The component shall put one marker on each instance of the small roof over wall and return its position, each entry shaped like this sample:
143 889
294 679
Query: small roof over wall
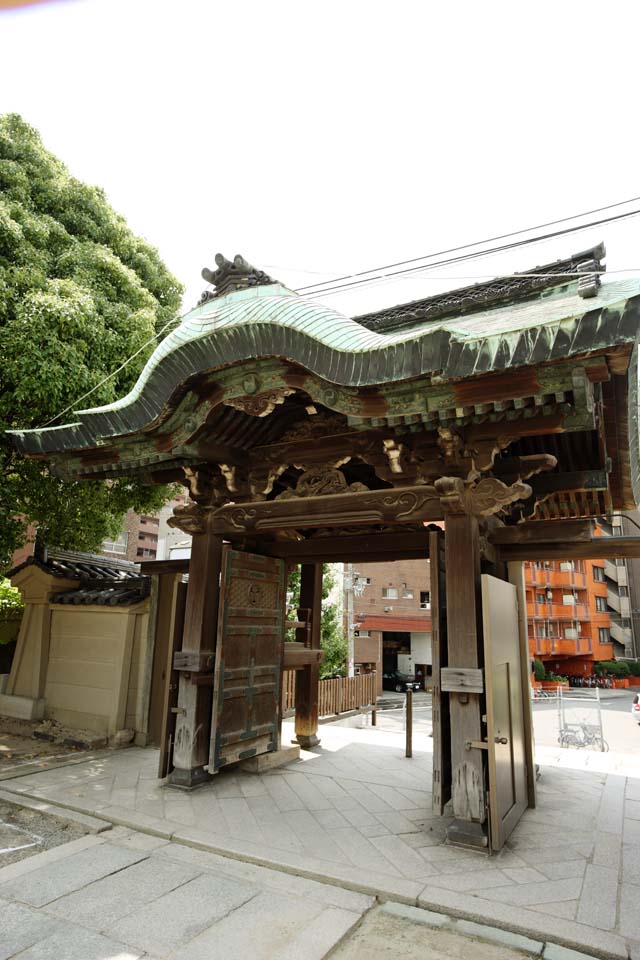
103 581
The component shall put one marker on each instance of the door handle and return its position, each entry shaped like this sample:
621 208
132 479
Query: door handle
500 740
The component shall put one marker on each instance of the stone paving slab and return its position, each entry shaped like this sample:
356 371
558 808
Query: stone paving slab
21 928
51 882
172 903
355 813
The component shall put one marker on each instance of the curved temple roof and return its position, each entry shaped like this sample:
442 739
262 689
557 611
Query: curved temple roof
269 320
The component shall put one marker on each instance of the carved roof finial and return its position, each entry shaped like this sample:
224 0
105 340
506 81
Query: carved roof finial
236 274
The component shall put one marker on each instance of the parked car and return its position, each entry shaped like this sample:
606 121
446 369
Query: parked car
395 680
635 707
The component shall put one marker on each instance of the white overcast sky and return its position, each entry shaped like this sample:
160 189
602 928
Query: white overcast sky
335 136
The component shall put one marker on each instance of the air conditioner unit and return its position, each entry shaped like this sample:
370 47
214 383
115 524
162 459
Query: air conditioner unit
549 594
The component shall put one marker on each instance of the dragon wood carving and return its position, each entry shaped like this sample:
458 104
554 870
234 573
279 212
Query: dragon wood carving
481 499
321 481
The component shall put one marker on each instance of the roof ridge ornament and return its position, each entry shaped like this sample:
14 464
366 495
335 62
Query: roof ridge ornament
236 274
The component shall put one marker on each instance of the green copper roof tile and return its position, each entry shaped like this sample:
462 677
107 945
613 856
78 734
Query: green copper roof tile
269 320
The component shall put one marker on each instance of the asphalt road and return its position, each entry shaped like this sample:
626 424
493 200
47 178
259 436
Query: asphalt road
620 730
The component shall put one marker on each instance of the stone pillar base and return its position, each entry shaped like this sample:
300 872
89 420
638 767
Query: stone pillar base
467 833
188 779
307 742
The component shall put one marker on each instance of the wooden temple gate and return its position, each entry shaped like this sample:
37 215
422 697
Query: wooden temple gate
508 411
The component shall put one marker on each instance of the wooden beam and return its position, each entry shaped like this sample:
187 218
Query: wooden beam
461 680
464 629
399 505
564 482
154 567
307 691
191 749
543 531
598 548
350 549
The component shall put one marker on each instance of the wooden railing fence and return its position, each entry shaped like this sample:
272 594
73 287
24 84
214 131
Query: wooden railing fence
340 695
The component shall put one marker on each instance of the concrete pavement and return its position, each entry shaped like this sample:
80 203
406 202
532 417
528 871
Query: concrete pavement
355 813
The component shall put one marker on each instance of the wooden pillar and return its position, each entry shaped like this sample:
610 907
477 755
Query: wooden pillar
306 721
464 633
193 720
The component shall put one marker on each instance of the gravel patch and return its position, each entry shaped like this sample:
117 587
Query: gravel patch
24 832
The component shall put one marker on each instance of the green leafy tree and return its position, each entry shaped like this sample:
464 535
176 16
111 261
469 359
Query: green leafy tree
332 639
539 670
79 293
11 601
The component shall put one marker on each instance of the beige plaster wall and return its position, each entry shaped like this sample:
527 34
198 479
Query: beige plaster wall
91 653
137 695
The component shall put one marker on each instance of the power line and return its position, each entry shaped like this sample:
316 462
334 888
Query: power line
326 289
109 376
466 246
529 241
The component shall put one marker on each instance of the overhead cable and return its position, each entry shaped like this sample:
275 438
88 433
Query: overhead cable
352 281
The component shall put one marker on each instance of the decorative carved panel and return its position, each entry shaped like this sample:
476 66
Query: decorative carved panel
189 518
481 499
320 482
260 405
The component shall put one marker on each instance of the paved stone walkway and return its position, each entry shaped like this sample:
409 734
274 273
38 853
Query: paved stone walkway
357 813
123 895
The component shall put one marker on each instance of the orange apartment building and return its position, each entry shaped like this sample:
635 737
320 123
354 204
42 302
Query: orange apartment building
568 612
568 616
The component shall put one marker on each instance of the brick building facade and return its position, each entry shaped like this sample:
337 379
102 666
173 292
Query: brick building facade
392 619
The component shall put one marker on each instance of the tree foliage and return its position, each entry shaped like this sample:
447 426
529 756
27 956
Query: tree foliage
11 601
332 639
612 668
79 293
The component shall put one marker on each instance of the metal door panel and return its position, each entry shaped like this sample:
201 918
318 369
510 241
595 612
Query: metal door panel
505 708
248 667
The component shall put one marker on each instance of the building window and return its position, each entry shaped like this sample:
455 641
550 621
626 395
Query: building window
389 593
362 633
604 635
568 599
425 600
601 604
407 593
541 598
116 546
566 566
598 573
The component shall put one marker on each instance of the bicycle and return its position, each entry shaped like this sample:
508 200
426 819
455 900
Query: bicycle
582 735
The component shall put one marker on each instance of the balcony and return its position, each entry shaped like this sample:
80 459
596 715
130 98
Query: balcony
558 611
556 578
542 646
565 648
